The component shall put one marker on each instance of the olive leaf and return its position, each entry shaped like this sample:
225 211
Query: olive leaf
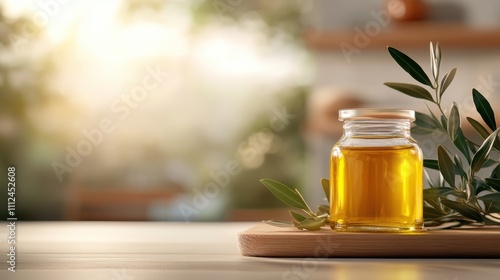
470 190
311 220
434 62
446 166
433 193
308 210
426 122
479 128
447 79
482 131
410 66
438 58
492 219
489 162
493 183
463 209
496 172
435 203
453 122
431 213
459 169
444 122
311 223
483 107
411 90
285 194
483 153
491 202
418 130
431 163
325 183
461 143
433 117
297 216
278 223
480 185
471 146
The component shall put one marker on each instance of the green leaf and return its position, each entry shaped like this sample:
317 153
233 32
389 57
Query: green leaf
436 204
492 219
434 118
470 189
459 169
433 193
446 81
423 120
453 122
285 194
278 223
311 223
479 128
303 200
411 90
298 217
480 185
434 63
471 146
461 143
438 56
446 166
496 145
463 209
417 130
431 163
483 107
496 172
482 131
325 183
489 162
444 122
483 153
493 183
431 213
491 202
410 66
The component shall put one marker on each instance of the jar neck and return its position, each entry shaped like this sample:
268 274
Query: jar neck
377 128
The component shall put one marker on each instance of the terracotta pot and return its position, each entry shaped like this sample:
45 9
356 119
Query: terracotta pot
406 10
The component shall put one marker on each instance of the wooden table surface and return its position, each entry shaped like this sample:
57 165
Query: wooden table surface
138 250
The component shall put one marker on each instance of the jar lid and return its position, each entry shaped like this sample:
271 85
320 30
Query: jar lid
371 113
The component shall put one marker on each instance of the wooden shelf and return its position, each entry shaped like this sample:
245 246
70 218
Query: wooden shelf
410 35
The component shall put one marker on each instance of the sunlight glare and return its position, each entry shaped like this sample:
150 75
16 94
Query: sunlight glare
228 55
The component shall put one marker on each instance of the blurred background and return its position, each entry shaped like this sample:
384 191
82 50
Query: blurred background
173 110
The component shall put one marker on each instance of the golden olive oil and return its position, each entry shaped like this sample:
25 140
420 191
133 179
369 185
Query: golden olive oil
376 188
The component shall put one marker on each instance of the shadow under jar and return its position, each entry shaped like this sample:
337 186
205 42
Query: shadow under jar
376 172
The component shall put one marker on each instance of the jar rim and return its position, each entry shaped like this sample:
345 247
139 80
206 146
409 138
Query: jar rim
375 113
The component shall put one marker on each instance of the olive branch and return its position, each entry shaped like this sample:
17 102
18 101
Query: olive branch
471 199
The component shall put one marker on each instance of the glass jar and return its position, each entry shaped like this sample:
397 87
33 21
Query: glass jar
376 173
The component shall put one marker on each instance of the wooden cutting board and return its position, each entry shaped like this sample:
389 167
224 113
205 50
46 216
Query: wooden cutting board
265 240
